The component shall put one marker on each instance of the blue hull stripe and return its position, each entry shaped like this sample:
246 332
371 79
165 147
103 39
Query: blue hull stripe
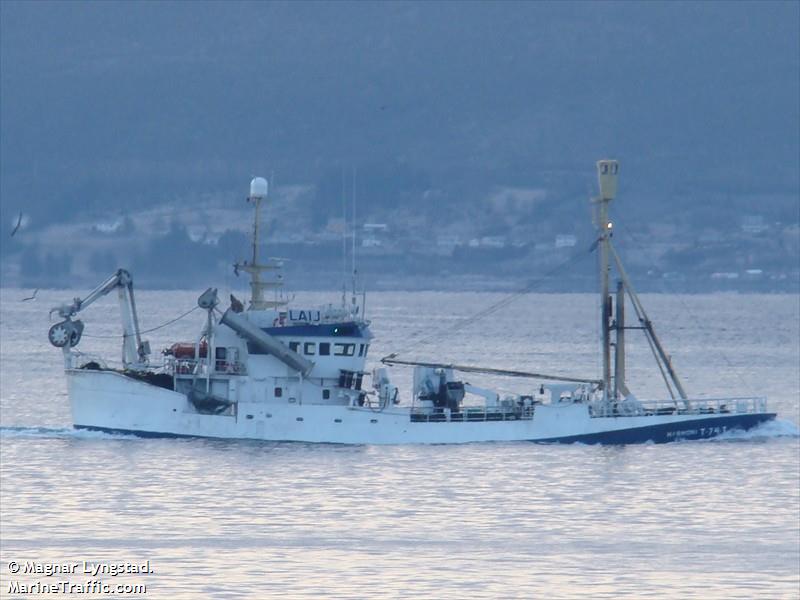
695 429
662 433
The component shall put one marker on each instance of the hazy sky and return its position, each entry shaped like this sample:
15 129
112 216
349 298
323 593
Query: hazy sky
109 101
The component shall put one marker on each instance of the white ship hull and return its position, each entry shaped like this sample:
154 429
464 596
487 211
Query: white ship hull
110 401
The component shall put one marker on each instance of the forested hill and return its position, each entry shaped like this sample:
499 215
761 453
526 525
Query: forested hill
114 107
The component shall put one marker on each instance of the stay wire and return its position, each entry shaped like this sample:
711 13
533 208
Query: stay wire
152 329
627 233
577 256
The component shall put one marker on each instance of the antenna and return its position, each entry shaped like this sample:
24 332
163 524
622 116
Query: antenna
353 257
278 275
344 241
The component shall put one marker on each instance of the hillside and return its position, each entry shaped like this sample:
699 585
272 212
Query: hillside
113 109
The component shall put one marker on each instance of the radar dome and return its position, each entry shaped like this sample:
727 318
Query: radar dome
258 188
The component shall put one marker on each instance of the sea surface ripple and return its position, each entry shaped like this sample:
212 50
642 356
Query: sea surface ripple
242 519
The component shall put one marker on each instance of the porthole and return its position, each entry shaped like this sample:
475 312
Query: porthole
299 418
373 420
249 416
337 420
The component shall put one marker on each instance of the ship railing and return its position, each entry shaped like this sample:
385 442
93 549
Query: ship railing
689 406
472 414
192 366
699 406
232 367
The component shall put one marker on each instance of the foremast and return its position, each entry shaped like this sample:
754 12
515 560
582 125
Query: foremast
258 285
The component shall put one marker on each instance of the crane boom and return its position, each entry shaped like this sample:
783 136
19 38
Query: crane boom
135 352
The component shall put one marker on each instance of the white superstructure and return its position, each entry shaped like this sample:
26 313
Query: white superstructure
272 371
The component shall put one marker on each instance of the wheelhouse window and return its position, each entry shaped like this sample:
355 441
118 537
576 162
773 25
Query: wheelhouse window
346 379
361 349
278 392
310 348
293 346
326 394
324 348
220 356
344 349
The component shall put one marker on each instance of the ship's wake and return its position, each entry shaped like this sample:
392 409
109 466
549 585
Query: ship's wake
59 433
777 428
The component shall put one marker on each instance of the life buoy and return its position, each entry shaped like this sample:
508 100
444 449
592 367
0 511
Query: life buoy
186 350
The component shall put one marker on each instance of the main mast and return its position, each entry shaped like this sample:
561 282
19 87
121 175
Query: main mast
258 192
607 176
607 171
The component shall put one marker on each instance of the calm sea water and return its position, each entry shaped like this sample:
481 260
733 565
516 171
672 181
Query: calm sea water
234 519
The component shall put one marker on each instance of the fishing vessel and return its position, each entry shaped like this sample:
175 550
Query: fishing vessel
275 371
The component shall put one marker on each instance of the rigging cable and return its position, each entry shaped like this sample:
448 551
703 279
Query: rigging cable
532 284
170 322
630 236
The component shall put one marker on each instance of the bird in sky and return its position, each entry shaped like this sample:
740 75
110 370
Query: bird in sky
32 296
17 226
